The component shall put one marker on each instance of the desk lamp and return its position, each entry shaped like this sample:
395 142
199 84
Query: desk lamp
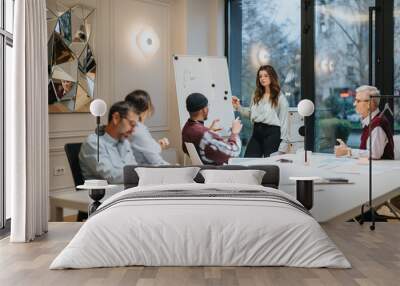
98 108
305 108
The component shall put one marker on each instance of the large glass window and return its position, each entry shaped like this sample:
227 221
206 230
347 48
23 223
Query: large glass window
264 32
341 65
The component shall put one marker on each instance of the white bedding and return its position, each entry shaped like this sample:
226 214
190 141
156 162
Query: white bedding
200 231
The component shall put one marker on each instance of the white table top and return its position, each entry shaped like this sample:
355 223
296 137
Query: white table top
82 196
304 178
334 200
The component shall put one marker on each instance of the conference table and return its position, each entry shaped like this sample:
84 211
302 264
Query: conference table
335 201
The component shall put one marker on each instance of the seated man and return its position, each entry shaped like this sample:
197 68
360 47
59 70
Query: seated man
209 145
382 137
114 149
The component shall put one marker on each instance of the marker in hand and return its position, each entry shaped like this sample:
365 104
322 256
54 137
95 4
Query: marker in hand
235 99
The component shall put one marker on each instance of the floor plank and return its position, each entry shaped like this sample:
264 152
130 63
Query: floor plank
375 257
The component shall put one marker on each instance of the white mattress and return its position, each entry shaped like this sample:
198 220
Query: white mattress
200 231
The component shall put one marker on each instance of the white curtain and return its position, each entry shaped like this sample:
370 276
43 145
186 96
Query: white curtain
27 161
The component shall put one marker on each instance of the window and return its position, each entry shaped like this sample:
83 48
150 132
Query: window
335 59
6 44
264 32
341 65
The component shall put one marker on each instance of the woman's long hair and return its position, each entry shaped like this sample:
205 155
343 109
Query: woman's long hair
274 86
141 100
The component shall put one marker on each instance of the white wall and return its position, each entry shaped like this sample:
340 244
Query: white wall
132 68
205 27
184 27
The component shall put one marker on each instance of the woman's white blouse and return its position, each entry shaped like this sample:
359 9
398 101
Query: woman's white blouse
145 148
263 112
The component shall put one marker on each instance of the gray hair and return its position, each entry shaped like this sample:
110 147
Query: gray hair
371 91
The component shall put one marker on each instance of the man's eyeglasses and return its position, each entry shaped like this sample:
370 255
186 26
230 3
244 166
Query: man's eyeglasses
131 122
360 100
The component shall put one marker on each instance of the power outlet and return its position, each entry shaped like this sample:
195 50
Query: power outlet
59 171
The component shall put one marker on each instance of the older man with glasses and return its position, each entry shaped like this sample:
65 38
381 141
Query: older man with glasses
381 134
114 148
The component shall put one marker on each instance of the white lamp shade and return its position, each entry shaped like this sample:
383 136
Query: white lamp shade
148 42
305 107
98 107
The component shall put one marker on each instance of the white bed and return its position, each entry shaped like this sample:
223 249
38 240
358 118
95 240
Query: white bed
264 229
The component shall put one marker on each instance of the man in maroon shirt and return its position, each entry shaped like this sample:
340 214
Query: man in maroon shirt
381 134
211 147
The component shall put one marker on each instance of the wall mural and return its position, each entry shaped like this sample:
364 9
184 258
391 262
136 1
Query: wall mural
72 67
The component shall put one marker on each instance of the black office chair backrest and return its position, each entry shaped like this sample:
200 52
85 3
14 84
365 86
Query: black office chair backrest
72 151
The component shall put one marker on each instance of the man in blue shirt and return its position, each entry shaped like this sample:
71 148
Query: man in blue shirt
114 149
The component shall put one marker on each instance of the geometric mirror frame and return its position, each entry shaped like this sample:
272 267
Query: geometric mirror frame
72 65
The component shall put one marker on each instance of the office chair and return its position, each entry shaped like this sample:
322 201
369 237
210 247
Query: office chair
72 151
193 155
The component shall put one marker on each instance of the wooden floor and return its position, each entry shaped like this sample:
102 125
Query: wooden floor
375 257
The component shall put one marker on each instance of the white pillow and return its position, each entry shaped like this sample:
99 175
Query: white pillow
166 176
248 177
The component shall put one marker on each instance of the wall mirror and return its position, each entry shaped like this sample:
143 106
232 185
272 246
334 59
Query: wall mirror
72 66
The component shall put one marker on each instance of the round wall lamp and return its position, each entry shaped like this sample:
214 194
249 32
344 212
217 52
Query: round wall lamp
263 56
327 65
148 42
260 55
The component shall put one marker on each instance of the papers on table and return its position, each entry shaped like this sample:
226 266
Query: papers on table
361 169
349 166
319 162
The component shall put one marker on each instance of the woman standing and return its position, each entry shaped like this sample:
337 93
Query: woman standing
269 111
145 148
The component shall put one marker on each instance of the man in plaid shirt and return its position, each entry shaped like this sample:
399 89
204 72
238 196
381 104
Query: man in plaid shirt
211 147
